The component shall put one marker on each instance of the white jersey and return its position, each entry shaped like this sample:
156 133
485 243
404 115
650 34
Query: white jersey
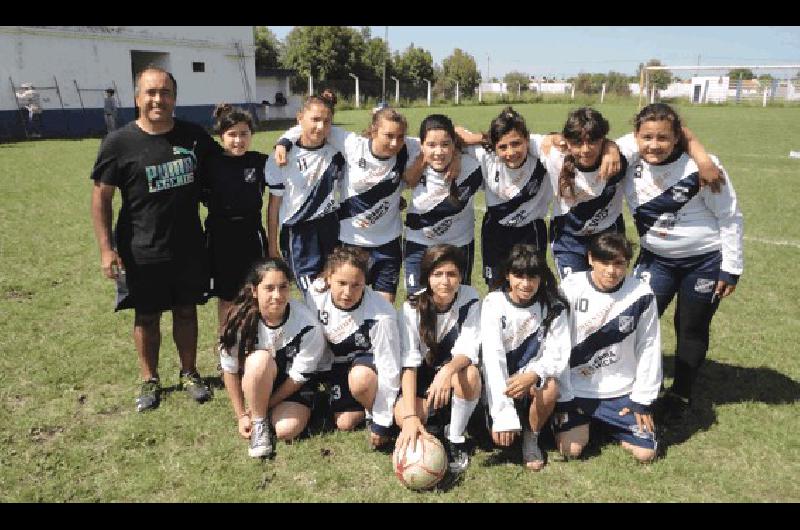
515 197
370 190
597 203
676 218
368 328
434 217
616 342
307 183
297 345
513 341
457 331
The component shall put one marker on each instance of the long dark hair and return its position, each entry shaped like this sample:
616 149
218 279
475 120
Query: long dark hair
440 122
388 114
525 260
662 112
422 301
241 322
582 123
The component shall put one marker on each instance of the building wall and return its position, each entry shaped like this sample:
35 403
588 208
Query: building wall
97 57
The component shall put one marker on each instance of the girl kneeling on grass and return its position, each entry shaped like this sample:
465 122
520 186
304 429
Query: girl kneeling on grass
441 342
270 347
525 342
363 344
614 371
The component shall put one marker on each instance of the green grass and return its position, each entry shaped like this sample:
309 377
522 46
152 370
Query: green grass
68 371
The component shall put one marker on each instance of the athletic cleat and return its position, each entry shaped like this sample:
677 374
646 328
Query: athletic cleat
149 395
532 454
262 443
672 408
457 456
194 385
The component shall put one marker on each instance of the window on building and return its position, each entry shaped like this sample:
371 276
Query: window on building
198 67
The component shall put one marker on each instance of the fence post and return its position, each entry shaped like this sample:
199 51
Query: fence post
310 85
603 93
457 93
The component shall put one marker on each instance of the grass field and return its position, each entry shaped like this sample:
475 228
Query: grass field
68 370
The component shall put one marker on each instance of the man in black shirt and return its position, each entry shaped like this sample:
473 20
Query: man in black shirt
156 254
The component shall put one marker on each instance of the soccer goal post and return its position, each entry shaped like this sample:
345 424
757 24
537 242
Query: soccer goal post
721 83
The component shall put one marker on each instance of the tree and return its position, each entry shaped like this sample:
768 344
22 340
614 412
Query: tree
415 64
375 53
461 67
741 73
324 52
268 48
617 83
515 79
658 78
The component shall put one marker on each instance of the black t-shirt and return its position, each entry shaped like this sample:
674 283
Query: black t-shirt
233 186
155 174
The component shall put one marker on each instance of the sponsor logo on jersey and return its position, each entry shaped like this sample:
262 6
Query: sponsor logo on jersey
517 218
664 224
591 226
625 324
600 360
362 163
249 175
704 286
439 229
360 340
680 193
371 217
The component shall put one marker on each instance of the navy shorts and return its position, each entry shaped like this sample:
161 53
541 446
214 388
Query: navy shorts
156 287
384 265
233 245
570 252
497 240
581 411
306 246
694 279
341 399
413 252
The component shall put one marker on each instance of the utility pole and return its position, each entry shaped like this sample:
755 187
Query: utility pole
488 76
386 42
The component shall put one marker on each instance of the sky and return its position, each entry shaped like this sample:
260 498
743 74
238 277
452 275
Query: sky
568 50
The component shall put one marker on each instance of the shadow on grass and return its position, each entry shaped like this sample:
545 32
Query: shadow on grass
719 384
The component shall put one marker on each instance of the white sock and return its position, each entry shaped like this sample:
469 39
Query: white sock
460 411
257 420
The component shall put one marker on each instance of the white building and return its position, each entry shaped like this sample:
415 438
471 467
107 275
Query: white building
71 66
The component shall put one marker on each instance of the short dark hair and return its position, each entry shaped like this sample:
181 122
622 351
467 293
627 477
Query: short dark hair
154 68
609 246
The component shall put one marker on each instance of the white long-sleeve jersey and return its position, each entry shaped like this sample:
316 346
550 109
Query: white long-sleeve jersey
457 331
297 345
616 341
515 197
368 328
307 183
434 217
513 341
596 206
676 218
369 210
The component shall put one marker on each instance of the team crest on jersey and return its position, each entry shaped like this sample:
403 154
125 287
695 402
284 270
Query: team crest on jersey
360 340
249 175
637 171
291 351
362 163
394 176
704 286
625 324
503 322
680 193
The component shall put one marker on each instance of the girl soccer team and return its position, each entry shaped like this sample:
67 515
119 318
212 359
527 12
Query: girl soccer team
532 356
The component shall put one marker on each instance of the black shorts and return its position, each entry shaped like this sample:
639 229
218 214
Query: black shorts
341 399
384 265
497 240
233 246
306 245
303 396
156 287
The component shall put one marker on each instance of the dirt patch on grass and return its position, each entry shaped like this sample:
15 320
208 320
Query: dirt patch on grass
44 434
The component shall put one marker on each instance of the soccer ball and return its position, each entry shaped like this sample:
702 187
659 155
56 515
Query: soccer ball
422 466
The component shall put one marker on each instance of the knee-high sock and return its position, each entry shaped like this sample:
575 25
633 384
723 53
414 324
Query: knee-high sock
460 411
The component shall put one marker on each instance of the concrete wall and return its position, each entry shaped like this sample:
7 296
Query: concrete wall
97 57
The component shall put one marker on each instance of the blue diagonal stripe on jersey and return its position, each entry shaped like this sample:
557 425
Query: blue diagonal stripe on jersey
285 363
648 213
447 208
348 346
576 218
445 349
321 191
531 188
517 358
610 333
362 202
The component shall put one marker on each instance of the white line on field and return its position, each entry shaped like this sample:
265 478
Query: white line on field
778 242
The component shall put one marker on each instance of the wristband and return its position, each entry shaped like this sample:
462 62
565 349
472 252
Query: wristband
410 416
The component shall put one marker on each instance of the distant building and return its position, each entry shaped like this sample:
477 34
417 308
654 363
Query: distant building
271 83
71 66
